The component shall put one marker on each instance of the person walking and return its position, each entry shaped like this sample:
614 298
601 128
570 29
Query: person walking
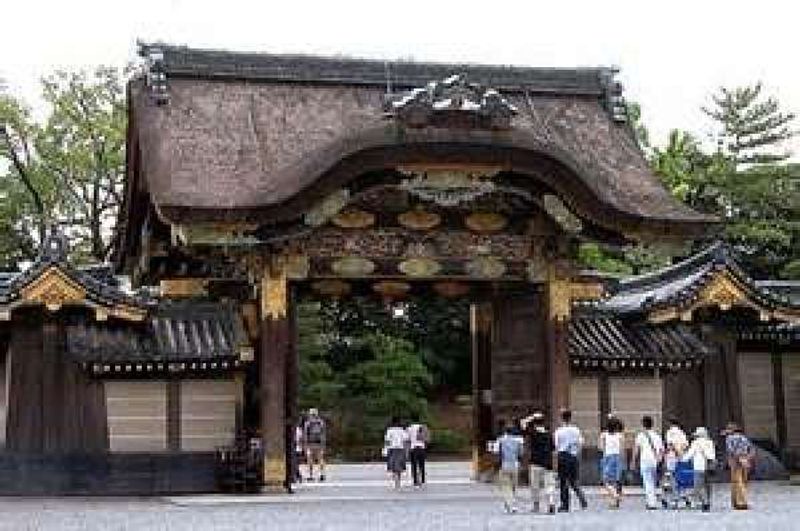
509 447
419 437
395 448
542 477
611 444
314 438
299 445
649 451
675 443
568 443
703 456
741 456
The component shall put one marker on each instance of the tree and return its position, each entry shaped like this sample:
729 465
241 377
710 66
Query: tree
749 127
744 182
68 170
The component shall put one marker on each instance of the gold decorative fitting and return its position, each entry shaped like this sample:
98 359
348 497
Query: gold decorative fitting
353 218
562 214
419 219
331 288
184 287
53 288
722 292
559 293
353 266
485 267
273 294
485 222
328 207
297 267
451 290
419 267
391 289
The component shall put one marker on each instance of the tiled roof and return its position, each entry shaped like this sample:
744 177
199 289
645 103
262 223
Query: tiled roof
597 339
681 283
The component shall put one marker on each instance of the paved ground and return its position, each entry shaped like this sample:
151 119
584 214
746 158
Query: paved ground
357 498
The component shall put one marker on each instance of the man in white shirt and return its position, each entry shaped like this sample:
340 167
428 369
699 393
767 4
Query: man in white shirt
675 444
649 451
419 436
568 442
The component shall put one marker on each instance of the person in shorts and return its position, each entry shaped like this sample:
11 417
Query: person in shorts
314 437
542 476
509 447
611 444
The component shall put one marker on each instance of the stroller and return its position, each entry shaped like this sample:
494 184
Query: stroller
676 486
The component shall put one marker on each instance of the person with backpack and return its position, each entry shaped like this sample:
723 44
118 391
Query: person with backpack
741 454
419 437
649 451
542 477
509 447
704 458
314 438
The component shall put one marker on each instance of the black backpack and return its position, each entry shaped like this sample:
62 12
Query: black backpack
315 430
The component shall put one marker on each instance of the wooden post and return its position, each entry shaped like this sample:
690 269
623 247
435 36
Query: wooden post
481 317
274 350
779 401
559 300
174 415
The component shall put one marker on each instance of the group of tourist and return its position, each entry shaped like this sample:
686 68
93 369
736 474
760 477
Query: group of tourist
680 467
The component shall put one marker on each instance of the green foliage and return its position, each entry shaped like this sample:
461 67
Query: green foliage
67 170
750 127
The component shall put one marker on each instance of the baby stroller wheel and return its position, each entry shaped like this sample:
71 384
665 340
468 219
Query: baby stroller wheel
664 503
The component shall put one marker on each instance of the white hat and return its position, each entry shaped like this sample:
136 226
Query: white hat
700 432
313 411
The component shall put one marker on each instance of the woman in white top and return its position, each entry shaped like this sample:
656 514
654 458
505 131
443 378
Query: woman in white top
704 457
611 443
395 446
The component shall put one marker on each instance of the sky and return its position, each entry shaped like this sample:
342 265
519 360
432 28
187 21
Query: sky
672 55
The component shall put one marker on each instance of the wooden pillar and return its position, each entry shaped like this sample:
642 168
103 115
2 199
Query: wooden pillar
174 415
274 351
481 319
779 400
292 385
559 300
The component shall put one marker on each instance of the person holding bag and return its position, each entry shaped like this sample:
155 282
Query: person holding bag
649 451
741 456
703 457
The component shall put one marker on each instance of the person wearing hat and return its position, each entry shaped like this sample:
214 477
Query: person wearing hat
703 456
741 454
542 476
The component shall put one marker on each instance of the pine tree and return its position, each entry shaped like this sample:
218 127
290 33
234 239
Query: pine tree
751 128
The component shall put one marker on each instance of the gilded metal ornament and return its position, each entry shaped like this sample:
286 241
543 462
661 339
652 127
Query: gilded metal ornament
353 266
485 221
419 267
353 218
485 267
391 289
331 287
419 219
451 290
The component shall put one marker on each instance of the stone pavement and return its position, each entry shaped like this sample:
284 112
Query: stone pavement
357 497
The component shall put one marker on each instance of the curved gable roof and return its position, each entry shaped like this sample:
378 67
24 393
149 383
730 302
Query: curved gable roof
233 136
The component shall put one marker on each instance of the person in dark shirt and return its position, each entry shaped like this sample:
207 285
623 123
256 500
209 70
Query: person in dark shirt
542 476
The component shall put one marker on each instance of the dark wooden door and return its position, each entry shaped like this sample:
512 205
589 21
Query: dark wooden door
519 356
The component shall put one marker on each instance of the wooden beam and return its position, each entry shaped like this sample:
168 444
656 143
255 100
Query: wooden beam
559 302
174 415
